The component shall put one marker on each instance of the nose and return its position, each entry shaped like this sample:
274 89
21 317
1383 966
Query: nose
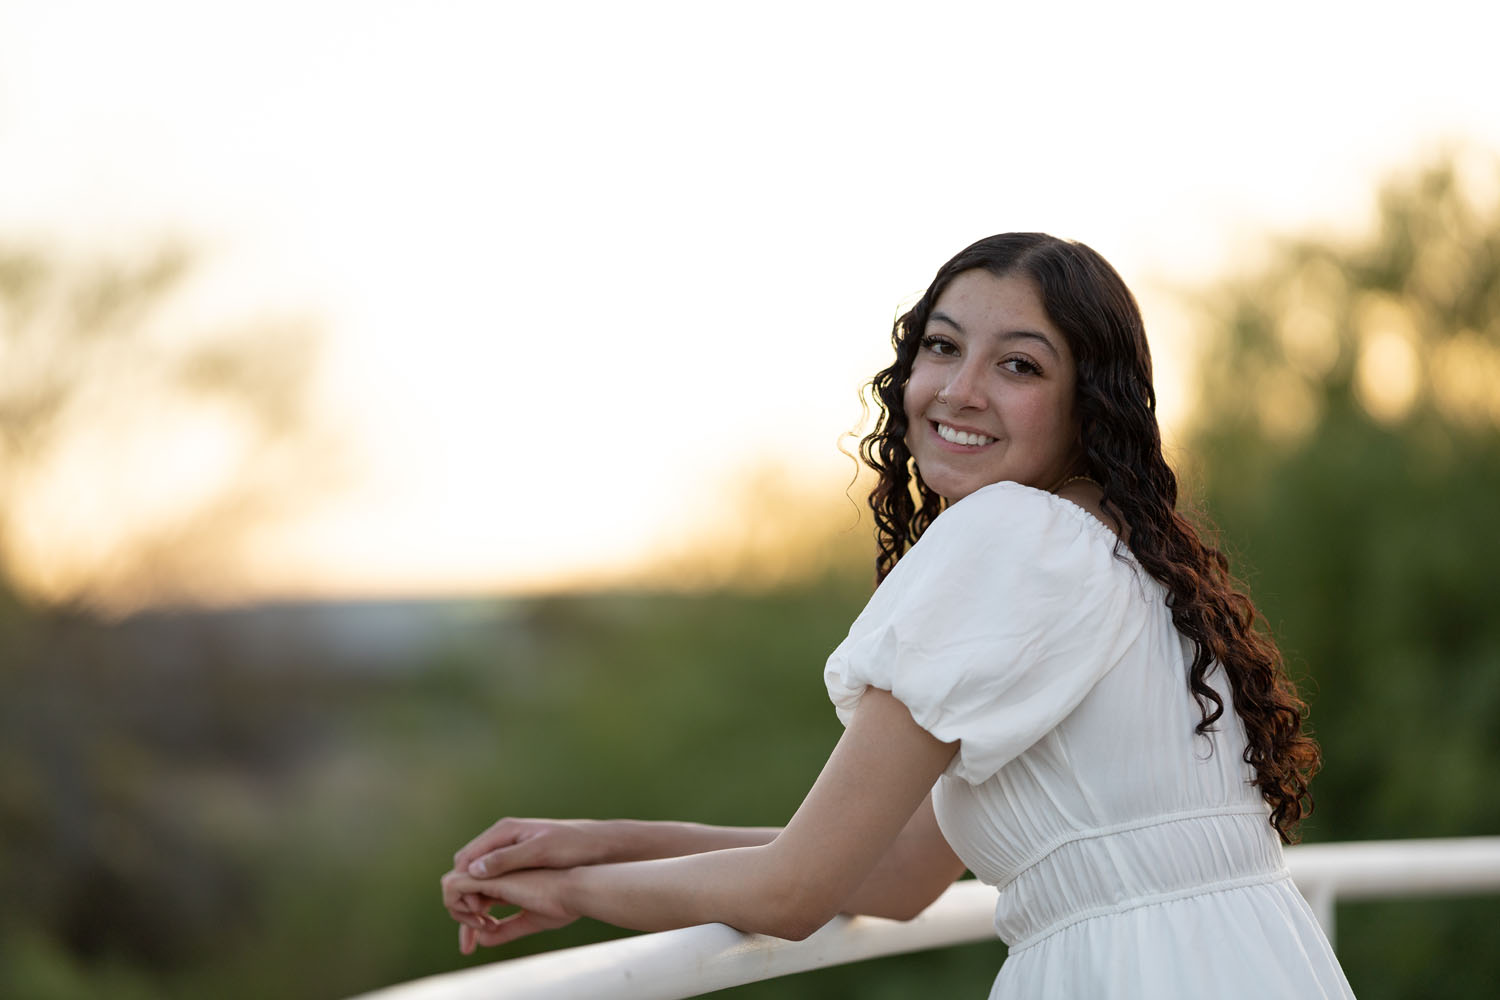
963 390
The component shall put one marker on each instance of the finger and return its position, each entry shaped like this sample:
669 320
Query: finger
458 885
499 834
463 903
517 925
473 910
468 918
478 921
453 897
521 854
466 939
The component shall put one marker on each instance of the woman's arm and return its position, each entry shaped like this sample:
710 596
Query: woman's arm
880 772
912 873
915 870
514 844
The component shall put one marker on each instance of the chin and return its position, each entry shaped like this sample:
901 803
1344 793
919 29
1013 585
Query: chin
954 492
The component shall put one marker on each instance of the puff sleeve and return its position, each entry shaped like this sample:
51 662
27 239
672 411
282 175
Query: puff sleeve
995 625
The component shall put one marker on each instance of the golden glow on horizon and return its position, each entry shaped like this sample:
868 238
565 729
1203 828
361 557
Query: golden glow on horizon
575 276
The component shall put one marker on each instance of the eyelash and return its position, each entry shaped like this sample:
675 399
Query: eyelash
931 342
935 343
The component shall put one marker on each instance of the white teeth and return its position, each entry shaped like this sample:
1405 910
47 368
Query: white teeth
961 437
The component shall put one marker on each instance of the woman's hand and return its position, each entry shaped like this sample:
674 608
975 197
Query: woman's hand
512 845
538 893
515 844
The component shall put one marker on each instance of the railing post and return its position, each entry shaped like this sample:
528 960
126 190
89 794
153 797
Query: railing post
1321 896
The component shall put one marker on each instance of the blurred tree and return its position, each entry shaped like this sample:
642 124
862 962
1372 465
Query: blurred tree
133 459
1348 446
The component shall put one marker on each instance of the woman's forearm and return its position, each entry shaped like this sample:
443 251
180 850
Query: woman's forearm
739 886
647 840
515 844
911 873
753 889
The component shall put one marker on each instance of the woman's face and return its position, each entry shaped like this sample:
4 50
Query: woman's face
990 397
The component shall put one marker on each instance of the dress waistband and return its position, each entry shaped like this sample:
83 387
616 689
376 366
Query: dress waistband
1114 869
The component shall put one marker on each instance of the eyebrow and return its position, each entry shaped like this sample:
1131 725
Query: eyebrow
942 317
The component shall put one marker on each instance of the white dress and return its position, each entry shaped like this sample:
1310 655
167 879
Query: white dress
1131 861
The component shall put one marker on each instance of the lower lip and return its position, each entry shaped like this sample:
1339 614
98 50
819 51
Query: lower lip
953 446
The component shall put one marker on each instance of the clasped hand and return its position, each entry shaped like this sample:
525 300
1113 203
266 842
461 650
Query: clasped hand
521 863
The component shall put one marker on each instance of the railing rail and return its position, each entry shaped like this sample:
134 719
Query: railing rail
1382 869
697 960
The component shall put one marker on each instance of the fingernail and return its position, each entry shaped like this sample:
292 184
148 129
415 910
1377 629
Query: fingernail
478 870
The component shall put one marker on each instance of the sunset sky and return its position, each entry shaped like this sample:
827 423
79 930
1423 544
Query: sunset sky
577 269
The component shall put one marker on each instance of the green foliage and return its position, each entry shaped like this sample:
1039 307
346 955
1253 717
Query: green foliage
1365 524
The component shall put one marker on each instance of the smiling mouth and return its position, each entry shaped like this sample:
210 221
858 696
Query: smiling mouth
954 436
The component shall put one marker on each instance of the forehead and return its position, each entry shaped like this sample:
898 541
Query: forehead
983 303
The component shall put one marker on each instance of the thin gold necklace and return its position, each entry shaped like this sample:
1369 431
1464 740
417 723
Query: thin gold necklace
1073 479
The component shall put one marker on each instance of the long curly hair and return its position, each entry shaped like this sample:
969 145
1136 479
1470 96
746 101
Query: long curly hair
1115 404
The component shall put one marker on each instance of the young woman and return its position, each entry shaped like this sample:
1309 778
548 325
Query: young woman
1056 685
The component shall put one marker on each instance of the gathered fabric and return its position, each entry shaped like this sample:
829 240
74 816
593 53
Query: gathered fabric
1132 856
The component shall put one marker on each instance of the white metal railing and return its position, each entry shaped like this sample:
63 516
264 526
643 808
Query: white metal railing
695 960
1380 869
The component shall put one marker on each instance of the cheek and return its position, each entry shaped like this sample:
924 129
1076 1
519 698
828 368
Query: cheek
914 396
1051 426
924 383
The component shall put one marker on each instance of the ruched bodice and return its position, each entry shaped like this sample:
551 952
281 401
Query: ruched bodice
1132 856
1094 873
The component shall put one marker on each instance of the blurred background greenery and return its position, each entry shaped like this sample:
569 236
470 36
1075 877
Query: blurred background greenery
259 801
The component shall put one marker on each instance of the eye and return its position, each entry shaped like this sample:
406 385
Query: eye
1021 366
939 345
